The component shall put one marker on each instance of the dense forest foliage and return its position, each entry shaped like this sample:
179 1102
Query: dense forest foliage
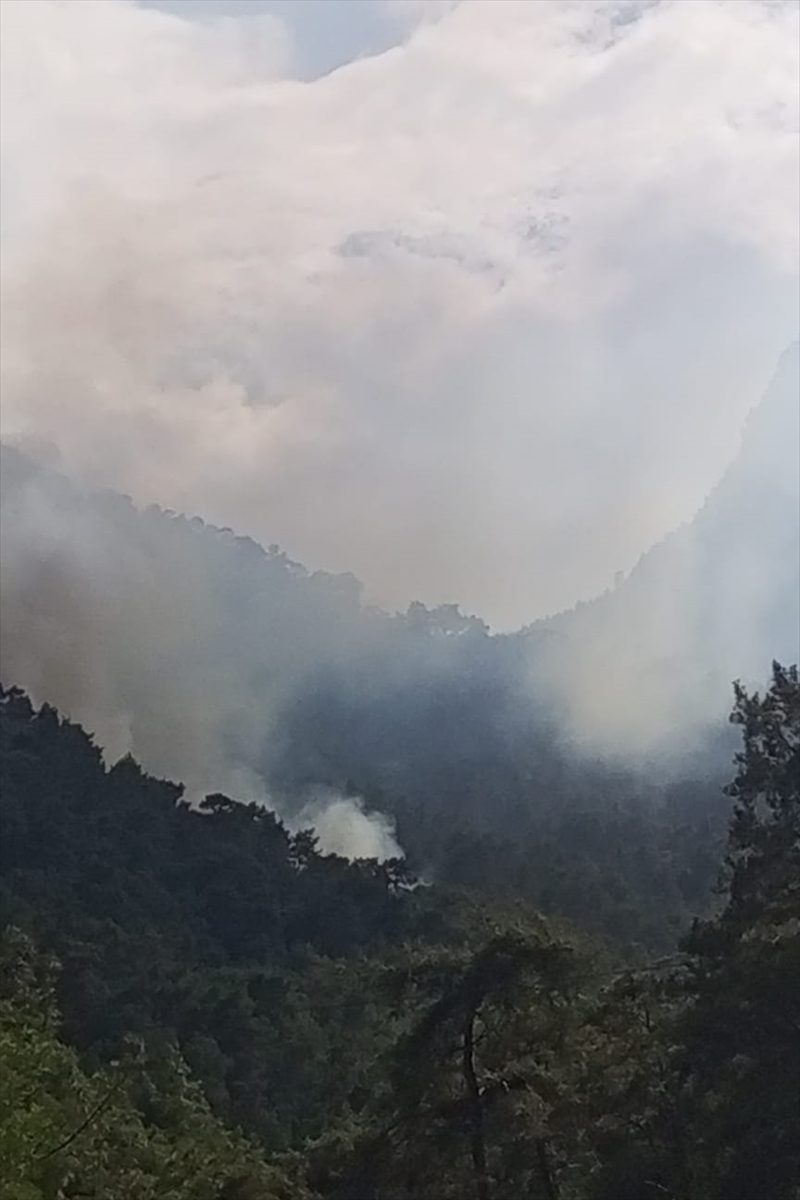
196 1003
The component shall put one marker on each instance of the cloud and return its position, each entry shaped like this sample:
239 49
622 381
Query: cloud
477 318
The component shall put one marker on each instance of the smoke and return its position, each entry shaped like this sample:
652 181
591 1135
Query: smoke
133 624
479 319
234 669
647 667
343 826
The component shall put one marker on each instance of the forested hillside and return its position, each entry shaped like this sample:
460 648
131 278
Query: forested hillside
200 1002
234 669
196 1003
576 764
399 600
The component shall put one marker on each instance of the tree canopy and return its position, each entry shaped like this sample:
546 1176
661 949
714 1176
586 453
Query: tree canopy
197 1004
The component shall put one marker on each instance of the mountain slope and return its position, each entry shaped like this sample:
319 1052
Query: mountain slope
509 762
641 666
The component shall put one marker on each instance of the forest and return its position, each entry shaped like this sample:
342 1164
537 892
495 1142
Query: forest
399 600
198 1004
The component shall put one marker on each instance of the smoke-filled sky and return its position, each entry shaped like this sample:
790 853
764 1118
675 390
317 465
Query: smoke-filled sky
470 299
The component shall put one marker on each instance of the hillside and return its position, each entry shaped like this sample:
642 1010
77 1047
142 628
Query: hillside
644 669
236 670
197 1005
542 764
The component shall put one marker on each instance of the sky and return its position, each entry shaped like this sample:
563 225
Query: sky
470 299
321 34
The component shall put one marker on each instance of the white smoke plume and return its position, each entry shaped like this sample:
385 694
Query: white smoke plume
343 826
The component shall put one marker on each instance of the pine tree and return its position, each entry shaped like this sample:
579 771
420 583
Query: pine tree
742 1061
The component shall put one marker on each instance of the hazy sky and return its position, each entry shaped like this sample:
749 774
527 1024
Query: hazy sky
470 299
322 34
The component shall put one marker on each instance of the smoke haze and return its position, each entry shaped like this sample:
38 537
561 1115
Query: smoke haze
478 318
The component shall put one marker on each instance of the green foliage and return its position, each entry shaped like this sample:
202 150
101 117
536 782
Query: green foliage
215 929
376 1040
140 1129
742 1057
472 1079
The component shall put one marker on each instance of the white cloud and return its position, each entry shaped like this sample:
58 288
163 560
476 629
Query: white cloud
477 318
